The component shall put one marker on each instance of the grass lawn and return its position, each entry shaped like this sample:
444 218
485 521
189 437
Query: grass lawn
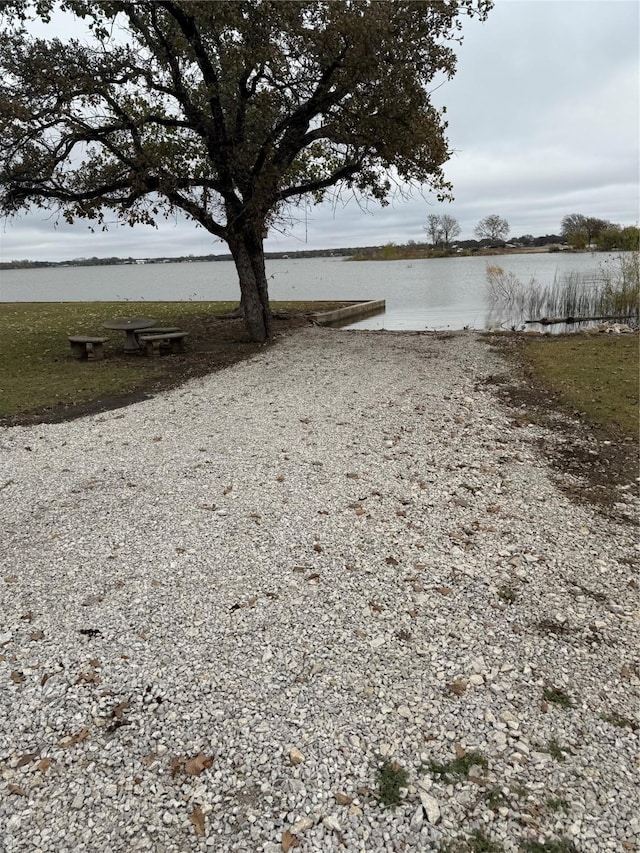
38 374
595 375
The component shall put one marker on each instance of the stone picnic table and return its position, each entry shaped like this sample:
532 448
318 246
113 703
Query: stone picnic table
130 325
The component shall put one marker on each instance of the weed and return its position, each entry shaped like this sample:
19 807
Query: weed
557 696
481 843
477 843
557 804
391 778
507 593
552 626
457 768
495 799
560 845
555 750
618 720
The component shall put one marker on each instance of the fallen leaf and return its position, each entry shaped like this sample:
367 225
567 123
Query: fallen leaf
75 739
118 710
28 616
313 576
343 799
27 758
197 819
413 613
300 569
289 841
157 438
227 489
16 789
280 479
458 687
391 561
88 678
194 766
352 475
16 677
317 547
377 608
444 590
44 764
460 751
176 764
365 792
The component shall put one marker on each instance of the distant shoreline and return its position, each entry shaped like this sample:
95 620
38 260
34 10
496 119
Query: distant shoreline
369 253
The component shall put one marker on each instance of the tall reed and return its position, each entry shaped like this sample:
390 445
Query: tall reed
613 292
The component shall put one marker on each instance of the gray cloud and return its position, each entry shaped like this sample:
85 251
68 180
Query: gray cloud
543 118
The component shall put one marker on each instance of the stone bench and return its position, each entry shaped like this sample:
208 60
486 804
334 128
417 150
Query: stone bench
153 341
87 347
156 330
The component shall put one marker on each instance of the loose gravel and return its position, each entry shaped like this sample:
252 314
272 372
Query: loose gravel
226 608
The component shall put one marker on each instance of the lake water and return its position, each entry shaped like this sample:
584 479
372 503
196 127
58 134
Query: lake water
440 293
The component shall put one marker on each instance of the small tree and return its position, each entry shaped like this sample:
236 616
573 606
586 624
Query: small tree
492 228
450 228
226 111
433 229
442 229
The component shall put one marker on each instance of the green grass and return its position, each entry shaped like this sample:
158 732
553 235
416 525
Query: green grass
557 696
555 750
36 368
457 768
561 845
391 778
594 375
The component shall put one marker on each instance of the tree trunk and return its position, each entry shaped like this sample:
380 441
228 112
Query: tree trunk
246 244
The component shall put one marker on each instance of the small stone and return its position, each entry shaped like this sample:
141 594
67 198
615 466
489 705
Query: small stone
416 820
303 824
431 807
332 823
295 756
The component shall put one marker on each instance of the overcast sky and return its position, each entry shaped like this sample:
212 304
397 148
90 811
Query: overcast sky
544 117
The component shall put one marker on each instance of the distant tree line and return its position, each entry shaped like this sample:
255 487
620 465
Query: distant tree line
582 232
577 231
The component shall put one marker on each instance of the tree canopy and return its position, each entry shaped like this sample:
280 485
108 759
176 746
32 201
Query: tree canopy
227 111
442 228
492 227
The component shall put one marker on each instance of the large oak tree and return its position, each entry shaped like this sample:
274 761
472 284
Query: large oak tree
227 111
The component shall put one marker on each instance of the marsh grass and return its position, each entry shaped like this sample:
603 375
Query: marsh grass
614 292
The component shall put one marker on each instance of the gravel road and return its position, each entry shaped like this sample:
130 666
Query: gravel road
224 609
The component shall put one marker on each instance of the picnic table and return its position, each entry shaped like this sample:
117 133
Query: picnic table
130 325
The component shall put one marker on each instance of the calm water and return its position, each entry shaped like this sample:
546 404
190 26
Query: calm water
442 293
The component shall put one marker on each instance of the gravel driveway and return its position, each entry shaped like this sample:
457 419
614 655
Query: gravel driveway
224 609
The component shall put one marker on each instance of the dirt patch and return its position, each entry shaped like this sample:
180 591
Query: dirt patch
594 464
213 344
